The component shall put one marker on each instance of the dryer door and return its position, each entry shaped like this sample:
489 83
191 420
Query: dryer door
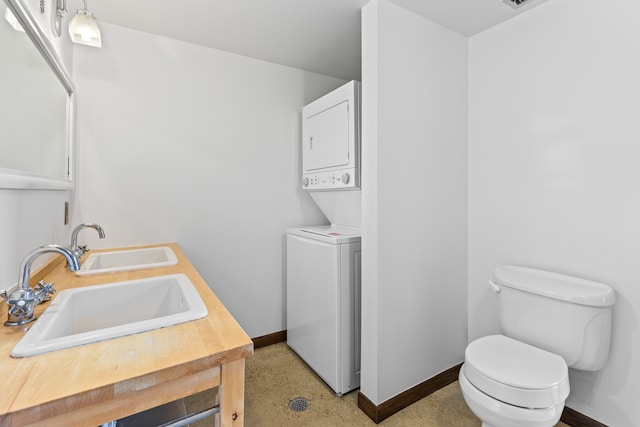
326 139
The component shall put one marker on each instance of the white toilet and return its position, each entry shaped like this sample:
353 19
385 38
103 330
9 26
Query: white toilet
549 322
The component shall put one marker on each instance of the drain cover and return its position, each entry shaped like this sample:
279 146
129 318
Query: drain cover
299 404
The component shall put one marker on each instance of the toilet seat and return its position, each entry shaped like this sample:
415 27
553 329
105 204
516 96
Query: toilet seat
516 373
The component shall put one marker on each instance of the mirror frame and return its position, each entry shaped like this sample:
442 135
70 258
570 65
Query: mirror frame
16 179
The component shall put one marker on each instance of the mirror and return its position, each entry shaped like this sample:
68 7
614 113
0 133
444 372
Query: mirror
36 105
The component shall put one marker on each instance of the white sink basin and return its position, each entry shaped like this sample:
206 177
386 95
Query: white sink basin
97 313
132 259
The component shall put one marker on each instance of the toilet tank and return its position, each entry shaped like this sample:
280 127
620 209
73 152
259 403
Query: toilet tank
565 315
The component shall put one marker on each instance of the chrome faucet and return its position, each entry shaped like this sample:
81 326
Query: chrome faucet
78 251
24 298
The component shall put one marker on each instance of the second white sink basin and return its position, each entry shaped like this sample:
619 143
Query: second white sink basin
97 313
132 259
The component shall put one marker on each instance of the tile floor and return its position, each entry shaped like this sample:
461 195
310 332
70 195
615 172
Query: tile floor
275 375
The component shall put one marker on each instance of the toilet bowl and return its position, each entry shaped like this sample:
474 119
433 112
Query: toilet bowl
507 383
549 322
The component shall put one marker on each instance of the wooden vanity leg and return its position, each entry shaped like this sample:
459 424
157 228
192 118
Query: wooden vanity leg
231 394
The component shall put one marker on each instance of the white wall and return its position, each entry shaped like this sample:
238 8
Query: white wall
179 142
414 199
553 171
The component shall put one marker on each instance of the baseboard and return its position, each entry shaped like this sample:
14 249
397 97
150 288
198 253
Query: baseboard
576 419
379 413
269 339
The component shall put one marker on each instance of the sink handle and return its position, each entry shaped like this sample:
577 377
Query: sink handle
44 291
21 305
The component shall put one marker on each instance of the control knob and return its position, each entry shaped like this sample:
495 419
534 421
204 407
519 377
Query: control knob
346 178
305 181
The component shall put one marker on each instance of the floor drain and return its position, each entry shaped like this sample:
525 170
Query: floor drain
299 404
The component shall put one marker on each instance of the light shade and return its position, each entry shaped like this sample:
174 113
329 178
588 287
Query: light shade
83 29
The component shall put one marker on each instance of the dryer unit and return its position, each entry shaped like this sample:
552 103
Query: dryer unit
331 140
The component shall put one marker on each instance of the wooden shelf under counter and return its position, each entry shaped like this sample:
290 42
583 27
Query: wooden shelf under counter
92 384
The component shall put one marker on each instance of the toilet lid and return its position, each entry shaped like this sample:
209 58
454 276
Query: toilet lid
516 373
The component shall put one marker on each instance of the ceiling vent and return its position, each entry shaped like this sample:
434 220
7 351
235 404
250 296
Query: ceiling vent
516 3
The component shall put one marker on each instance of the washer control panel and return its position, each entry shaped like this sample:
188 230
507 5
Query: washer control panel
344 178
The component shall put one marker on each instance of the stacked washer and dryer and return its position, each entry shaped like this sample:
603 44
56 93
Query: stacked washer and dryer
323 262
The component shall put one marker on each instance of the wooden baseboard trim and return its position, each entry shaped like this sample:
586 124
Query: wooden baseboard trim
269 339
576 419
379 413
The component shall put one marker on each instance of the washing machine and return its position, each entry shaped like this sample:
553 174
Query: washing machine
323 302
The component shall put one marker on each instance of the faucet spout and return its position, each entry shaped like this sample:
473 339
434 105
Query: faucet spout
78 251
25 266
23 299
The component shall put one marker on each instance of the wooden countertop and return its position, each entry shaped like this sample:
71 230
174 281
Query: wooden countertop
134 373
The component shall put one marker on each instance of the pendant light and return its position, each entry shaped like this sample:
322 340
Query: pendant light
83 28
